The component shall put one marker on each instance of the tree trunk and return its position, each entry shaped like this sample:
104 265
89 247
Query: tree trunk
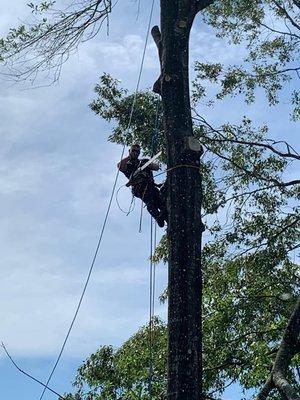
184 205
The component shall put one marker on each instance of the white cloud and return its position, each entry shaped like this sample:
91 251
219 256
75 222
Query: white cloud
56 174
205 47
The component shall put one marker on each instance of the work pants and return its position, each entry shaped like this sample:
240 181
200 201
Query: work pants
150 195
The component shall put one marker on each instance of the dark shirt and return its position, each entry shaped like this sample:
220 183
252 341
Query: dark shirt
128 166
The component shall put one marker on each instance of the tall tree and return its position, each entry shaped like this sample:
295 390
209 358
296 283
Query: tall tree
184 201
52 42
241 21
251 284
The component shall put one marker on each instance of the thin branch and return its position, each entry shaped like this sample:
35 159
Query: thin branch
290 33
288 154
297 3
284 11
267 242
51 42
281 71
237 363
256 144
250 192
254 174
225 387
30 376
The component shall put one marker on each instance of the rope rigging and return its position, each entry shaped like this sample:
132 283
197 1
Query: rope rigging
107 212
153 233
153 148
151 303
131 206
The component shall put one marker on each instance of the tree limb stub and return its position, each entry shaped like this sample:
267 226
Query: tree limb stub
155 32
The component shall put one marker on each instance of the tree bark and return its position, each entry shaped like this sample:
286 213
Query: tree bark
184 205
287 350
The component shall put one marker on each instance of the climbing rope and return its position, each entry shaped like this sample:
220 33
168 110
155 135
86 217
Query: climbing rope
153 233
152 265
142 208
85 285
132 203
178 166
153 145
141 217
151 311
152 287
108 209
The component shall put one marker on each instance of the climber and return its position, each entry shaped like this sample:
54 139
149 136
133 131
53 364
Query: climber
143 185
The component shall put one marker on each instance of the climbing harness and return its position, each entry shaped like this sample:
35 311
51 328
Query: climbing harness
137 174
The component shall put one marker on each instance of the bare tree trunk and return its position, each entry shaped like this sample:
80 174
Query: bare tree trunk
184 204
184 200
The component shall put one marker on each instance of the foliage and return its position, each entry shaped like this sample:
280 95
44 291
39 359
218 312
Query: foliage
269 32
44 44
250 208
252 217
114 104
124 373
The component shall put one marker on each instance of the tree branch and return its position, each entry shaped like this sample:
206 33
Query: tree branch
284 11
288 348
280 32
265 390
155 32
289 154
30 376
297 3
275 181
47 44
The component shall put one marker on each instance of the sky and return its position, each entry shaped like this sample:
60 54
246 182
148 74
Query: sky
57 171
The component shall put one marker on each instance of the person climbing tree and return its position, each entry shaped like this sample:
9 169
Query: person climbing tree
143 185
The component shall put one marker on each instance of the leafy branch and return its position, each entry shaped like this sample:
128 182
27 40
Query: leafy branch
48 42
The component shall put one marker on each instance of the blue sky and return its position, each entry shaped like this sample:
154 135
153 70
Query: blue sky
57 171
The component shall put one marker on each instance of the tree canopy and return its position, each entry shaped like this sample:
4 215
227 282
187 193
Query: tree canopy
269 32
251 282
250 208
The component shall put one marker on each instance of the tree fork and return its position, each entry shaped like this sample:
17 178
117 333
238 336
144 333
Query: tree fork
184 202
